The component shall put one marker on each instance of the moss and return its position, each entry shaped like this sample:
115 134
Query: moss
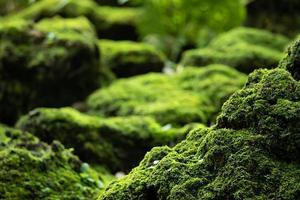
50 63
110 22
243 48
126 58
251 153
30 169
177 99
118 143
7 7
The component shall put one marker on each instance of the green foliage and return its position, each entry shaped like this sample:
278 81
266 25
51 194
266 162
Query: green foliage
193 95
245 49
184 22
126 58
118 143
30 169
50 63
251 153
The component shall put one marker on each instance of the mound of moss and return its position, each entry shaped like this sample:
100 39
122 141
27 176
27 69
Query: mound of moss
110 22
50 63
118 143
30 169
126 58
193 95
251 153
245 49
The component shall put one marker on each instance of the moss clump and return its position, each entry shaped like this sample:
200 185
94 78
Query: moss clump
30 169
251 153
118 143
193 95
110 22
245 49
50 63
117 23
126 58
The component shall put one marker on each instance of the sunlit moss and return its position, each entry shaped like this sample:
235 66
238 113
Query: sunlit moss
171 99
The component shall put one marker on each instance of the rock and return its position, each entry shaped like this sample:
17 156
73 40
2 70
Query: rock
245 49
126 58
118 143
251 153
50 63
193 95
30 169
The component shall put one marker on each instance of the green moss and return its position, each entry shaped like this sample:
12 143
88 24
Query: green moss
7 7
245 49
110 22
50 63
176 99
118 143
126 58
30 169
251 153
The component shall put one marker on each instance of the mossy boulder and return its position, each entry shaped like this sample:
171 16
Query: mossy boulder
30 169
251 153
118 143
50 63
127 58
110 22
193 95
245 49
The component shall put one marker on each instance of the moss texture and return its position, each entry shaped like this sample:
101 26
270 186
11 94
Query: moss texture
12 6
193 95
118 143
110 22
251 153
245 49
127 58
30 169
50 63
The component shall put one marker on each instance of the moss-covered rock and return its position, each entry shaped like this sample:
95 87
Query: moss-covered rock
30 169
110 22
193 95
117 23
245 49
251 153
50 63
118 143
126 58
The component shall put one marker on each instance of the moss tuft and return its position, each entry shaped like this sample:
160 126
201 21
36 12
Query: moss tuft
30 169
126 58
